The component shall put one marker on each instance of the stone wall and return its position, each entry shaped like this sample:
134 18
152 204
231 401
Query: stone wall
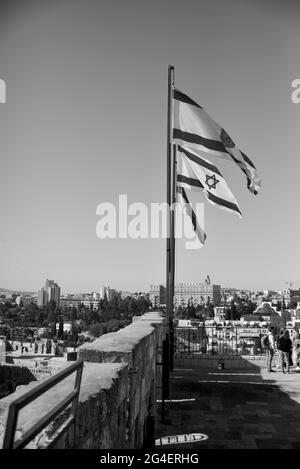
118 392
139 346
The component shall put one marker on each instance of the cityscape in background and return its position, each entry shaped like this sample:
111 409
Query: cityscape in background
186 294
39 330
86 312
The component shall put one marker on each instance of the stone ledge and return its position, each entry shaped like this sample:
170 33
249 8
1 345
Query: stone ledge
104 387
124 340
155 317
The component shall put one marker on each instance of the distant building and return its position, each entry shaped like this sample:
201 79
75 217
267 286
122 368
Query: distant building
185 293
42 297
96 296
285 294
297 312
295 296
157 296
51 291
253 318
266 310
67 326
91 301
107 292
197 293
70 302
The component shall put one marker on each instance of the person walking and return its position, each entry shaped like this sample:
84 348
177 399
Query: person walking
284 345
270 348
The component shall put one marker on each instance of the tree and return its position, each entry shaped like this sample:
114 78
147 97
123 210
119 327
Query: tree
53 329
132 307
191 310
199 309
32 314
227 313
234 315
60 328
81 339
73 314
250 307
51 311
179 313
210 311
96 329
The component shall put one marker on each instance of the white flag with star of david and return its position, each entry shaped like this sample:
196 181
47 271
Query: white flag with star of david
211 180
194 128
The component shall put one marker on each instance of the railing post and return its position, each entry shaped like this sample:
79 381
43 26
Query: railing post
171 347
34 393
10 428
166 369
75 404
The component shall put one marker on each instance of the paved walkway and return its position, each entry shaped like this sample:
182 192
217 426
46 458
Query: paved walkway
236 409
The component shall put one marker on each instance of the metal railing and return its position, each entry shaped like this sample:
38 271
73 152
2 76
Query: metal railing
214 340
32 394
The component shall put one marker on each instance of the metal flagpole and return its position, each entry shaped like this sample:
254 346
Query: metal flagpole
172 256
169 311
169 187
170 176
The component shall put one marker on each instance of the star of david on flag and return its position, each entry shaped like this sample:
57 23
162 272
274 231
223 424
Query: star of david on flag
192 168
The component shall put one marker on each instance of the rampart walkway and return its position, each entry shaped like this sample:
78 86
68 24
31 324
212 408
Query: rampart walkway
235 408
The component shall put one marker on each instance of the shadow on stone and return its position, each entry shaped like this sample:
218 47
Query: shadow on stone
245 408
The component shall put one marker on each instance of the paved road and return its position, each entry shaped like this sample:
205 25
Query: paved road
236 409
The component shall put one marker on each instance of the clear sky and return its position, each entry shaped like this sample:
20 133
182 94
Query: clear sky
85 121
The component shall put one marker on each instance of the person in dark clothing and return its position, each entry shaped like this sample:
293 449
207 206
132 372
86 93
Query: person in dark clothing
284 346
290 345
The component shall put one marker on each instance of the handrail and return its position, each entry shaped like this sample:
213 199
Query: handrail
219 340
32 394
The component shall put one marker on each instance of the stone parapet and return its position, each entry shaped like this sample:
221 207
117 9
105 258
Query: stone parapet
102 409
118 394
139 346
